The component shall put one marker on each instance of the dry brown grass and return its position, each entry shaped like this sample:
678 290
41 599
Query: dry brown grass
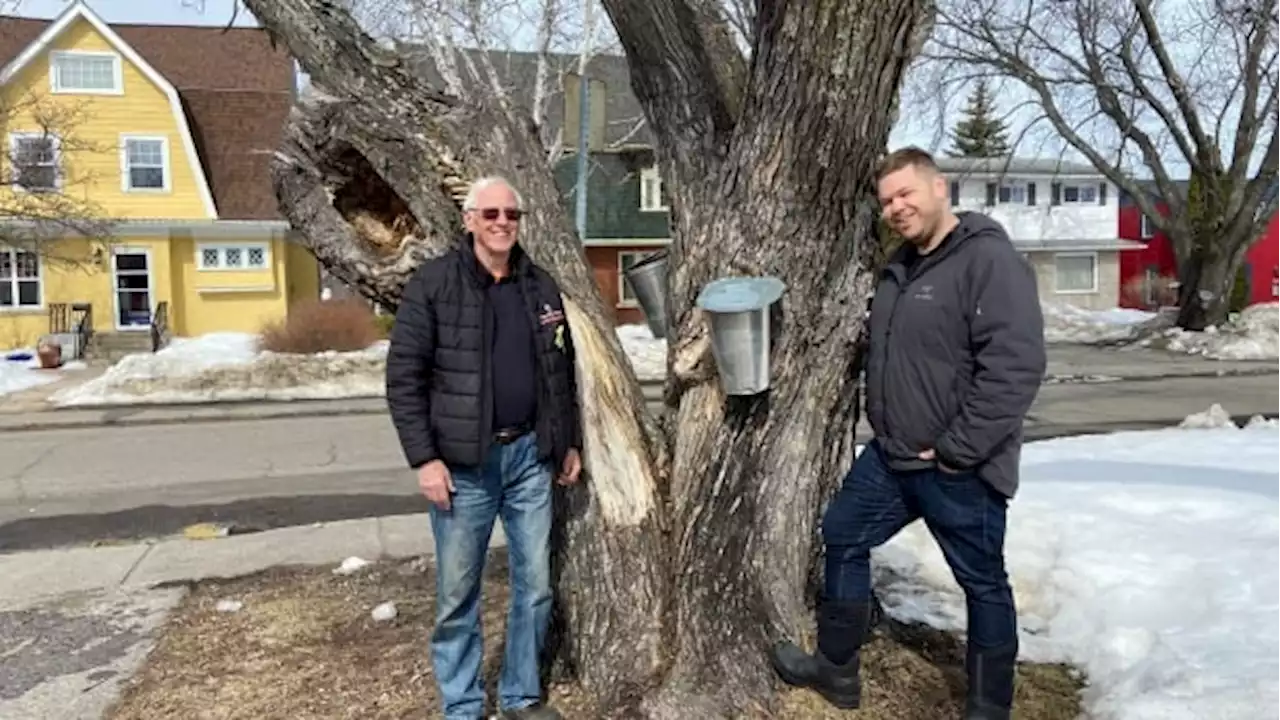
304 646
320 325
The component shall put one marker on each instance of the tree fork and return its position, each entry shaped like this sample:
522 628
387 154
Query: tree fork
668 610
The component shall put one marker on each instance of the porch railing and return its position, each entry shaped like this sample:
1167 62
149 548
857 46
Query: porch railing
73 318
160 327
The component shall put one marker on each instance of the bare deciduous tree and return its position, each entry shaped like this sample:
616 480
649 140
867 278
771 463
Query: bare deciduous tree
686 553
1144 87
49 172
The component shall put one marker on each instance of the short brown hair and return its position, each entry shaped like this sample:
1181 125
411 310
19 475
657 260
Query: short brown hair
910 156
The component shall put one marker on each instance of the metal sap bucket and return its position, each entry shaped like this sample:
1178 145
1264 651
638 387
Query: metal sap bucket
739 312
648 280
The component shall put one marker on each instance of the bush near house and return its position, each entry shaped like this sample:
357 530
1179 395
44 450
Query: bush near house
321 325
384 323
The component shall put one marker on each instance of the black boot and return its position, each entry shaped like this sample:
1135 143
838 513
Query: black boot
991 672
832 671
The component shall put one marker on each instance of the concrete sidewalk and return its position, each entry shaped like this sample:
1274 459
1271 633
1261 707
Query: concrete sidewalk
41 575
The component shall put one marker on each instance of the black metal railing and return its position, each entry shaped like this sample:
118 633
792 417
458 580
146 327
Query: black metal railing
72 318
160 327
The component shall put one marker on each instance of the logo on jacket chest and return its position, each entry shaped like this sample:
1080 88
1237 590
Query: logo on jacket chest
550 316
923 293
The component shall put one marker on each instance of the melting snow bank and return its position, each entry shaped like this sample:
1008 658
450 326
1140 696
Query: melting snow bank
1069 324
1147 559
1251 334
221 367
23 372
229 367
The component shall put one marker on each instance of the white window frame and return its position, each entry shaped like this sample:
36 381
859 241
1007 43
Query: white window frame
19 135
623 300
117 72
126 179
12 253
651 190
1093 256
1019 187
1146 229
222 247
1080 189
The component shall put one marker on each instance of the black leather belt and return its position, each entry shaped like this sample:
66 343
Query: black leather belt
508 435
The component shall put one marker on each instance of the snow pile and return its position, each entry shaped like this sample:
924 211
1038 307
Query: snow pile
1253 334
221 367
648 354
229 367
1147 559
1069 324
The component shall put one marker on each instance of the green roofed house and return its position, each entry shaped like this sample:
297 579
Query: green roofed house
627 214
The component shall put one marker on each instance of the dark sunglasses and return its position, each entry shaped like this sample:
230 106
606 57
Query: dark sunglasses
491 214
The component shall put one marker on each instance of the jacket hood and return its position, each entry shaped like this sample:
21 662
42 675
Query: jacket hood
971 224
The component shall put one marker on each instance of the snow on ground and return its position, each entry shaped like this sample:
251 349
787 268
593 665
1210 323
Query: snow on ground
1070 324
230 367
1147 559
648 354
1254 334
24 372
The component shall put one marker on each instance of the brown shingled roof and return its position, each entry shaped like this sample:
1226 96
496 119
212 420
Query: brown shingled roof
236 89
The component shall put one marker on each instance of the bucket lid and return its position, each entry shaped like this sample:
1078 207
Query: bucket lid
740 294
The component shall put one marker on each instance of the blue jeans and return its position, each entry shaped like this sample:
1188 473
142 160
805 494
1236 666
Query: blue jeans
514 485
965 516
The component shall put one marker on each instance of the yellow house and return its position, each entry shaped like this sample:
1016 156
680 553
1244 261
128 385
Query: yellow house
137 186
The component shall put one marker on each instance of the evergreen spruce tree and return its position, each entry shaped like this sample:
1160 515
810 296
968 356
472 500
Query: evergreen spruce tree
981 134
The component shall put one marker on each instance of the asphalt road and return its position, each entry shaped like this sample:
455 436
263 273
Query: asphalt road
85 485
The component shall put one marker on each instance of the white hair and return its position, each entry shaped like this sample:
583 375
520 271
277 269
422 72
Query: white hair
473 192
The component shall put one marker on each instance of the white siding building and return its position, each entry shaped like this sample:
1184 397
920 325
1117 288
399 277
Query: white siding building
1064 217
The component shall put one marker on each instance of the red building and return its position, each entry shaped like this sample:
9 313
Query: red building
1146 275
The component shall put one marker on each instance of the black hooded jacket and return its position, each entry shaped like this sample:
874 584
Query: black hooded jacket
439 364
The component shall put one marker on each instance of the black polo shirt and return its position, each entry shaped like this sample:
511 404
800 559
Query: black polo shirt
513 365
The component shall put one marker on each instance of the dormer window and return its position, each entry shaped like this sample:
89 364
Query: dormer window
81 72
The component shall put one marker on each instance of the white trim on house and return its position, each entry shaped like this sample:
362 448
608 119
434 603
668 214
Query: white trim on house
651 190
79 10
623 301
1093 257
116 252
17 135
117 72
165 165
1146 229
15 308
220 250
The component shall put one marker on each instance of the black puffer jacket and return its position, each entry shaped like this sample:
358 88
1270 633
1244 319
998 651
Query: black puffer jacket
439 365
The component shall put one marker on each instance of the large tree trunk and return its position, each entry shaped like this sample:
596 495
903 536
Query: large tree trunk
1207 278
674 575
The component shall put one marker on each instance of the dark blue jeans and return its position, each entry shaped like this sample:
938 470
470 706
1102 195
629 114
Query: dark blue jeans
965 516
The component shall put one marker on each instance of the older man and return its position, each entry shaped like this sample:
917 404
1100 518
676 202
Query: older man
956 358
481 387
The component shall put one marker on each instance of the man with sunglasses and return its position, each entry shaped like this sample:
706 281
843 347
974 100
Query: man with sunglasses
482 392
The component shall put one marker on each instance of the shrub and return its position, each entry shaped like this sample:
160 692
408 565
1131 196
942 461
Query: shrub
318 325
383 323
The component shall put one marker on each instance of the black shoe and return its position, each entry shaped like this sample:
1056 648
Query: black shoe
991 672
842 627
533 712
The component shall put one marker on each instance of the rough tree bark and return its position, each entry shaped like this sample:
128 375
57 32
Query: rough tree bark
681 558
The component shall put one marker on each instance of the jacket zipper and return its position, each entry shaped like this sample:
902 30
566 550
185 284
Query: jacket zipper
884 374
486 375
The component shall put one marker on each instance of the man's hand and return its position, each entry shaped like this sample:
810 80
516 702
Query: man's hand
931 455
436 483
570 469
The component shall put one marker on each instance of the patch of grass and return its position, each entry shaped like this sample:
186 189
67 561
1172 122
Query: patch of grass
304 646
317 326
